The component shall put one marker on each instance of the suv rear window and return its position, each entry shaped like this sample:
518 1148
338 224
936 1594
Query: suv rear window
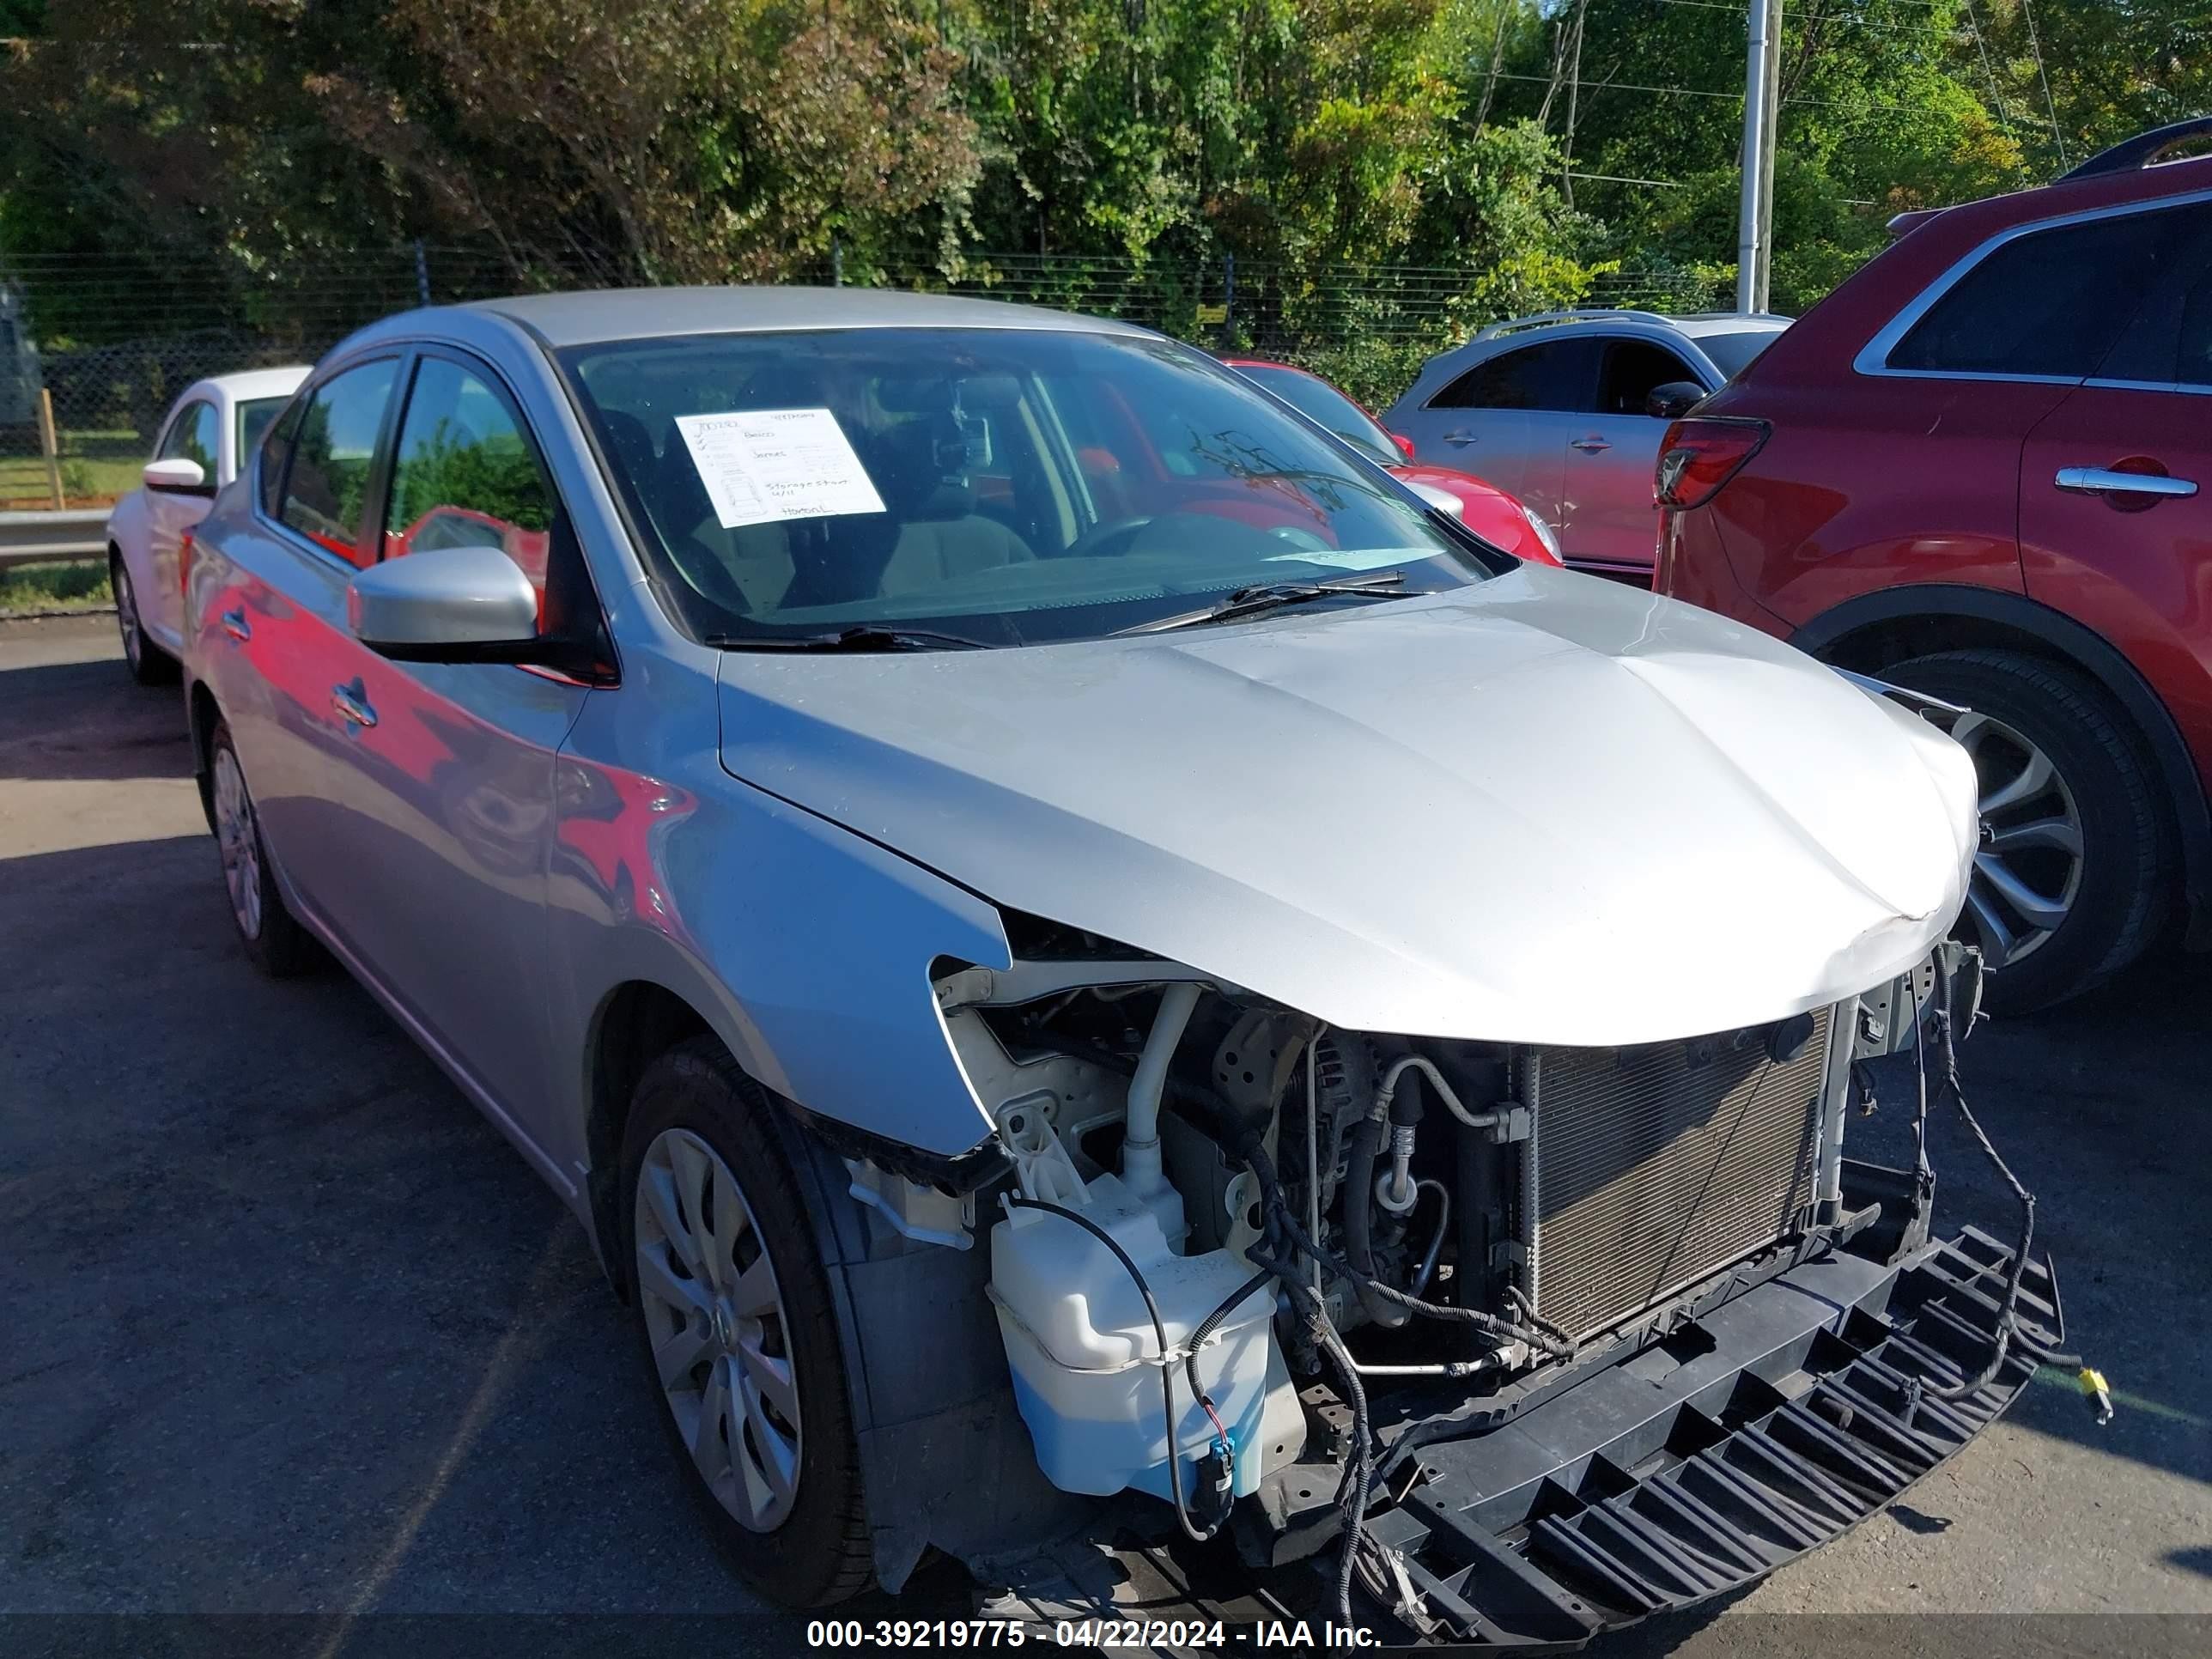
2049 303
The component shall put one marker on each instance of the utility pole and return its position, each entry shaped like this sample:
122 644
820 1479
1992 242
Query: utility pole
1762 102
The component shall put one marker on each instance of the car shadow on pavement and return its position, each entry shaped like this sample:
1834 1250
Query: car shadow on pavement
89 720
299 1333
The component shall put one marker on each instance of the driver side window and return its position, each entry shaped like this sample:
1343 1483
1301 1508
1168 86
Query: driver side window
1633 370
194 435
463 474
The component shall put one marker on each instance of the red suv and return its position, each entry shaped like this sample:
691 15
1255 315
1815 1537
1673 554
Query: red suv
1982 469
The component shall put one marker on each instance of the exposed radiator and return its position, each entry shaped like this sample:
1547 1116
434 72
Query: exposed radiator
1652 1167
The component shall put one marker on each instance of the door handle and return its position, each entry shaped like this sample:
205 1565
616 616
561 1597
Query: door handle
1591 445
235 625
2103 480
1461 437
350 704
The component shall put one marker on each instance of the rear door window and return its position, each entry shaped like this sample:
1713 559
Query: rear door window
333 454
2049 304
2195 366
1558 376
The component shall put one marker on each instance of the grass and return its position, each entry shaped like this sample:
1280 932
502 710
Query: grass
97 467
34 590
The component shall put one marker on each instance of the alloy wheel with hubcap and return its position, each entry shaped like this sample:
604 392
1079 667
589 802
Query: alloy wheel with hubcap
147 663
2028 870
2075 871
126 615
719 1336
734 1299
236 834
277 944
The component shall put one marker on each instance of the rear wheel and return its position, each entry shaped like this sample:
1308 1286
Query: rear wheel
149 664
2075 850
279 946
734 1319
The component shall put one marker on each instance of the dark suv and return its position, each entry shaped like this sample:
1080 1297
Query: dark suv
1980 469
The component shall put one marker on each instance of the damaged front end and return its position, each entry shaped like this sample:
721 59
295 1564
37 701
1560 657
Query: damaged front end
1470 1342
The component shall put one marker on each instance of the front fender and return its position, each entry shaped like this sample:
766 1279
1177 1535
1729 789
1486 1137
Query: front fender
807 949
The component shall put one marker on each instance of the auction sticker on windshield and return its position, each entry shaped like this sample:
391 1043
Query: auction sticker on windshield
763 466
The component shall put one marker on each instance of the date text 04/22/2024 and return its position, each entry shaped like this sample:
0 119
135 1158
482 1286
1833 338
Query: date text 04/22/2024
1294 1635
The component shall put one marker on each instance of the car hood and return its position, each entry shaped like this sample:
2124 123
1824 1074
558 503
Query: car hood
1541 809
1446 477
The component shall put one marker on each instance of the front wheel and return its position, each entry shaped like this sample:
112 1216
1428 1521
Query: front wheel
279 946
2075 859
149 664
737 1332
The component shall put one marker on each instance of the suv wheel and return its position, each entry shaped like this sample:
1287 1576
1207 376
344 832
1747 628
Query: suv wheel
149 665
735 1325
2075 848
280 947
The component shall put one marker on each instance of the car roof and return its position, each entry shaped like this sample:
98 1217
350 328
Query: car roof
1701 324
598 315
1696 325
2080 191
251 383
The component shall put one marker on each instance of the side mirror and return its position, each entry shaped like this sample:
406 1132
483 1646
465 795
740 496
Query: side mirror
178 478
1672 400
447 604
1404 444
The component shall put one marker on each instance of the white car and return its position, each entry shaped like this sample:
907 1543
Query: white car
210 431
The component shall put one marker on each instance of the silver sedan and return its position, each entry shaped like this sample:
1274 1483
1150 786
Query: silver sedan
960 840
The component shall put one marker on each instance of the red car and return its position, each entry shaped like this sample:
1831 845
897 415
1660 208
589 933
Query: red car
1492 514
1982 469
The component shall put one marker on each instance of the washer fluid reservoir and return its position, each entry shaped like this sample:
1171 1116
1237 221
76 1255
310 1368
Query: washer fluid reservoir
1086 1367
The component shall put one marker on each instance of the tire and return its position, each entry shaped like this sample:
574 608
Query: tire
149 664
2114 883
809 1549
276 943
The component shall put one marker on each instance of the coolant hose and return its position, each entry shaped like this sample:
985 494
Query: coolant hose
1140 1147
1359 1190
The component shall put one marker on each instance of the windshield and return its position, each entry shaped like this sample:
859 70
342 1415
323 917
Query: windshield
1007 485
1732 354
253 417
1321 402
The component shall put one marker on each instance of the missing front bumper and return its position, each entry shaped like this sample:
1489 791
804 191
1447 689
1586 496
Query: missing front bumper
1763 1429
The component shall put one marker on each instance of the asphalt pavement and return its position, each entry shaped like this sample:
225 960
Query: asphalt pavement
287 1329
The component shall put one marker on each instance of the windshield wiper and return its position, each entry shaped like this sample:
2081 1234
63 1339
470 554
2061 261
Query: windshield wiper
1269 596
867 637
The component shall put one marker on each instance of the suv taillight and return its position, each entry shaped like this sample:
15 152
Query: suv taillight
1697 457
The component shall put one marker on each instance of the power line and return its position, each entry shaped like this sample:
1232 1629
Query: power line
2027 11
1702 91
1847 22
1982 45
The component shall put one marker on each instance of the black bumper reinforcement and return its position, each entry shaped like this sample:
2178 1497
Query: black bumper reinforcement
1767 1428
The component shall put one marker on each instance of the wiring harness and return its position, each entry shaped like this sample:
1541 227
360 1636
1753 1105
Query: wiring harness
1943 1019
1284 1244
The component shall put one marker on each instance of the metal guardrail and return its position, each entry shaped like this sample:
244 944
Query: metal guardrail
41 537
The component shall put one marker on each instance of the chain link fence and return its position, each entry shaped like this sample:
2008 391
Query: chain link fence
92 358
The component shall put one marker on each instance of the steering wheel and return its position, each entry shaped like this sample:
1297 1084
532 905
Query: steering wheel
1294 535
1092 542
